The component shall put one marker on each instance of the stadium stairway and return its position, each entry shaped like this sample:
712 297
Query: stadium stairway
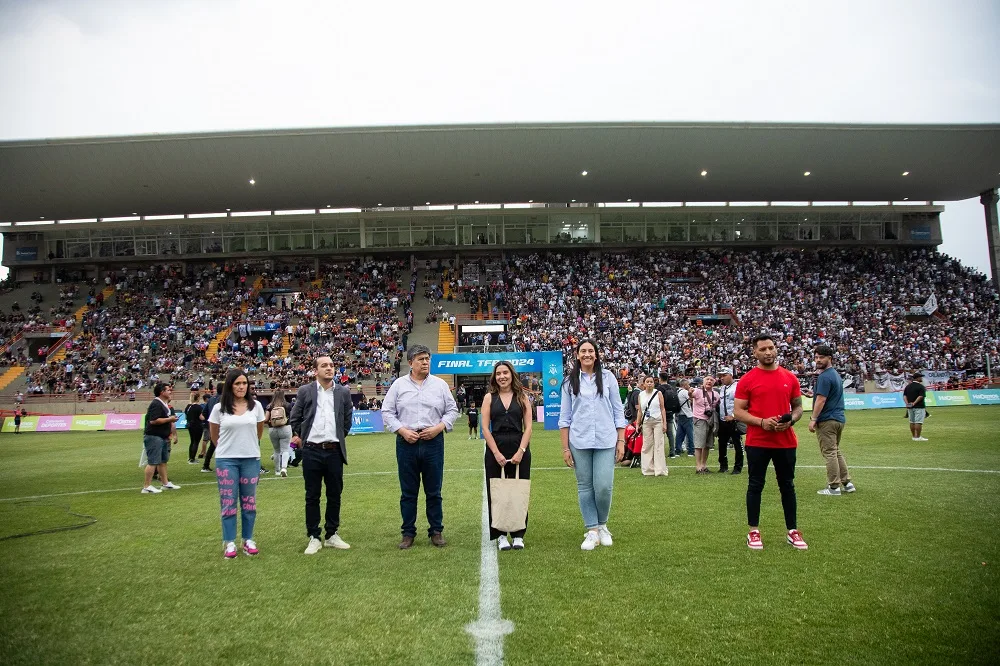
212 352
12 373
446 338
286 345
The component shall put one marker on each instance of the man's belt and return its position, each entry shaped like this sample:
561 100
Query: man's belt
323 445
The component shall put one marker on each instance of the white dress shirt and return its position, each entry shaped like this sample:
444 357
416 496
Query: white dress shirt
324 425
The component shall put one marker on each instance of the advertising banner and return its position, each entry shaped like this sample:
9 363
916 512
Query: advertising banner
948 398
884 400
366 422
26 254
28 424
54 423
123 421
982 397
855 401
182 421
88 422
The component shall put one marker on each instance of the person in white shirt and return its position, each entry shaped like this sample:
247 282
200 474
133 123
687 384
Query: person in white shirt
236 424
683 421
650 410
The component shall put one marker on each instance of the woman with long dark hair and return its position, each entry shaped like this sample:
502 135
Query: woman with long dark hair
592 426
507 417
280 432
236 424
194 425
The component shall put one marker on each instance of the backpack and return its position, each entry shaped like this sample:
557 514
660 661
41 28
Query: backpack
278 417
671 403
630 405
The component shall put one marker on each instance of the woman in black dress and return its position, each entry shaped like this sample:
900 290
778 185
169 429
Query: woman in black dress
508 414
194 425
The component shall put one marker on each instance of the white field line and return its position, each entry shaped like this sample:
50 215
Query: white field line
479 469
490 628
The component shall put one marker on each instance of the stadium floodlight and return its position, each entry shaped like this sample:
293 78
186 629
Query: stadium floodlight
704 172
906 173
252 181
806 173
583 173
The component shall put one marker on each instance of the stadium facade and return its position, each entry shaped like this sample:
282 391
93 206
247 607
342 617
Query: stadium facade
87 204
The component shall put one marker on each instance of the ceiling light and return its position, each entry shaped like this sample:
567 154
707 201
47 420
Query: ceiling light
252 181
477 200
427 203
328 205
628 200
379 204
806 173
583 173
531 201
228 209
573 201
906 198
704 172
906 173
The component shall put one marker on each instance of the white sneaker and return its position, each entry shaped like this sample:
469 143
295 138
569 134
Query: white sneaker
915 439
590 541
151 489
230 551
849 488
169 485
336 542
284 473
314 546
518 543
502 543
922 439
829 491
604 535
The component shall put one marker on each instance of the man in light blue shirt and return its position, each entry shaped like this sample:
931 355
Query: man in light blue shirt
828 422
419 408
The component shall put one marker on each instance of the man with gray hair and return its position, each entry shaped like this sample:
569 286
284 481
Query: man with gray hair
419 408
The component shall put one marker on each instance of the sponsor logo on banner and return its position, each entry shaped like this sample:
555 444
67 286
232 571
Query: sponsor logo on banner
887 400
88 422
475 363
123 421
54 423
28 424
366 422
553 395
854 402
985 397
951 397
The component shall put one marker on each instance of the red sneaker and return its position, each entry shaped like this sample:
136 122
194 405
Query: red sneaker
795 538
753 541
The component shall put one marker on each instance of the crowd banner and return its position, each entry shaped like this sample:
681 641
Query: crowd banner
984 396
54 423
365 422
885 381
947 398
88 422
123 421
28 424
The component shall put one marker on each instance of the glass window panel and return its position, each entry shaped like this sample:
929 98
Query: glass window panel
678 232
77 249
280 242
611 234
326 240
349 238
829 232
236 244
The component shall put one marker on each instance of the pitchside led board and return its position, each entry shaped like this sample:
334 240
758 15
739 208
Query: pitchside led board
547 364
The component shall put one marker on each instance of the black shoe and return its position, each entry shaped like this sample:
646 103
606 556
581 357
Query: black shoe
723 470
736 470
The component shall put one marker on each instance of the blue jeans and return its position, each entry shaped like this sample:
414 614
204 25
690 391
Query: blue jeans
422 460
685 431
595 477
237 479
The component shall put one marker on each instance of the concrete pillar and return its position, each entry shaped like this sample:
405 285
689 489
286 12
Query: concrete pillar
989 201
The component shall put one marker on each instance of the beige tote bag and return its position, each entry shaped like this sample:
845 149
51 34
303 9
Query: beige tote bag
509 501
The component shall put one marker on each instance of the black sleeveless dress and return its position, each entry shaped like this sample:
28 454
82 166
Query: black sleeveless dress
507 426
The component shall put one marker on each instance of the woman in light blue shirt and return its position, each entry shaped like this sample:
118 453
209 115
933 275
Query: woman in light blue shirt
592 425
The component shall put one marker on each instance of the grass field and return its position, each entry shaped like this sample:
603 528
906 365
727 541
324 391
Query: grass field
903 571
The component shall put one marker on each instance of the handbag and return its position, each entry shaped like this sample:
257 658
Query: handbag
509 501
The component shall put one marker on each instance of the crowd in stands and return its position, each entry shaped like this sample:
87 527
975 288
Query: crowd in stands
642 307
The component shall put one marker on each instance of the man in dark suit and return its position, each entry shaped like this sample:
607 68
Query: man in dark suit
321 421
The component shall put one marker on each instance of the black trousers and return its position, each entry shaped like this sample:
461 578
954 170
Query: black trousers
508 443
195 434
321 466
208 455
728 434
758 458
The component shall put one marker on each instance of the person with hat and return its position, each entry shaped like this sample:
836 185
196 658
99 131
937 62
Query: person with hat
915 396
730 430
828 422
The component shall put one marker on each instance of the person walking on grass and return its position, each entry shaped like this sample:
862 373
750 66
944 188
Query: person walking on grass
279 432
828 422
592 429
194 425
507 412
769 401
419 408
160 421
915 396
236 425
320 422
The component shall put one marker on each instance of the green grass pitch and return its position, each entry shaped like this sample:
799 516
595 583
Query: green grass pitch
902 572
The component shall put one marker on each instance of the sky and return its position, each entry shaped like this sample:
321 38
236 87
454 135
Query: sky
118 67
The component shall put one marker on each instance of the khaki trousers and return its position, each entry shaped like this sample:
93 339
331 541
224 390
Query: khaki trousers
653 458
828 433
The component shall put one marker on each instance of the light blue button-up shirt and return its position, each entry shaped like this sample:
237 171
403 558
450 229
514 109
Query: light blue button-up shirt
418 406
728 398
593 420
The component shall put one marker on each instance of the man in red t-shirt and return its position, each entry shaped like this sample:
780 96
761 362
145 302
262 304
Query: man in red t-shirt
769 401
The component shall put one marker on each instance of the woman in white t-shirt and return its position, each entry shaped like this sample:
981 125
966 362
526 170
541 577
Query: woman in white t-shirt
650 409
236 424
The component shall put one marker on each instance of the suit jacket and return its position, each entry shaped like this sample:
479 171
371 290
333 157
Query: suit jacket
304 411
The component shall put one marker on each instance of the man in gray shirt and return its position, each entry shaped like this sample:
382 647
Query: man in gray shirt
419 408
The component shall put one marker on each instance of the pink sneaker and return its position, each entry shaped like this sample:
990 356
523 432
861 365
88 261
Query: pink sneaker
754 542
250 547
230 551
795 538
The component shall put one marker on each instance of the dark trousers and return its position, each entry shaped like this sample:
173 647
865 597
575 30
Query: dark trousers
669 418
195 434
758 458
208 455
728 434
508 443
423 460
685 433
321 466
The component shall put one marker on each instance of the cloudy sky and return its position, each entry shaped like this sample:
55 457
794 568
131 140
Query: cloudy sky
113 67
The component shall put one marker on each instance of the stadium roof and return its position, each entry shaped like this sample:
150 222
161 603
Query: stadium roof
410 166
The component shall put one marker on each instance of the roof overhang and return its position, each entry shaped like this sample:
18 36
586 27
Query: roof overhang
410 166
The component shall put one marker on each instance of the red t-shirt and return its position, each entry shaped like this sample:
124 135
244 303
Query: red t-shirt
770 393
